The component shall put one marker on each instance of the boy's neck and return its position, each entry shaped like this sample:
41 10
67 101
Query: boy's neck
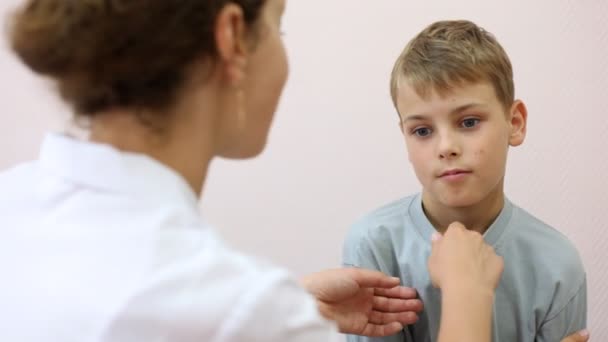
477 217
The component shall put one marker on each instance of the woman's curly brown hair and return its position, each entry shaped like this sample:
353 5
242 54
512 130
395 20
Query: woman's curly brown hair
118 53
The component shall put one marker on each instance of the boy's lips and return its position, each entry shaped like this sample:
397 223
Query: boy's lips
454 173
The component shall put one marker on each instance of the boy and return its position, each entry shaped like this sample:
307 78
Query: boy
453 90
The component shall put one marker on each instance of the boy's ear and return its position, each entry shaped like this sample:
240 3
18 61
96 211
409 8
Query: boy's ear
518 119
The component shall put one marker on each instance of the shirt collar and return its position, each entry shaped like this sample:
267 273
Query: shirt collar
426 229
105 168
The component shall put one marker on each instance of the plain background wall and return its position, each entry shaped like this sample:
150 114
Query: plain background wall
335 151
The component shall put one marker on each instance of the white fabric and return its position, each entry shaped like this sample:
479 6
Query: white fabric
101 245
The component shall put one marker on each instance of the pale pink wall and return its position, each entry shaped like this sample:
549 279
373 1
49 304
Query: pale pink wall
335 150
29 107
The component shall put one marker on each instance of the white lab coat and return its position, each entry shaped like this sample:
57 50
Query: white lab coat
101 245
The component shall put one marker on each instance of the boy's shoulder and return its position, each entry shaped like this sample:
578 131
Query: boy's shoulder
373 238
530 230
551 253
390 217
389 214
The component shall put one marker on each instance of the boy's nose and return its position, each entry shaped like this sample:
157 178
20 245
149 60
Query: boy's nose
448 147
448 155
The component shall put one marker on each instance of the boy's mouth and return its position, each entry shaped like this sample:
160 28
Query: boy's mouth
454 173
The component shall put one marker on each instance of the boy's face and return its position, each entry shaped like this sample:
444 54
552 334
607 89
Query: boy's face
458 143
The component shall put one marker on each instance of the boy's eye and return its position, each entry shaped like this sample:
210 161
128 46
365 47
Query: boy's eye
422 131
469 123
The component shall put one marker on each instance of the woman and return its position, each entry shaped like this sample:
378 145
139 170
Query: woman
107 231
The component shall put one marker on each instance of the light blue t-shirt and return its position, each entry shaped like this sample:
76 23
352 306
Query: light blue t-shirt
542 295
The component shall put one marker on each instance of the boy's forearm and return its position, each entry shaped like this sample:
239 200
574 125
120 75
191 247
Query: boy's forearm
466 314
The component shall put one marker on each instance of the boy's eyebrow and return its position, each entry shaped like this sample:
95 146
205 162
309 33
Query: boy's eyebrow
465 107
415 117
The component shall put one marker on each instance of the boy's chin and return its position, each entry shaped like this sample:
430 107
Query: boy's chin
460 201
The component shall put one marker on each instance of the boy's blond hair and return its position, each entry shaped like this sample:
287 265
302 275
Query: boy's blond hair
451 53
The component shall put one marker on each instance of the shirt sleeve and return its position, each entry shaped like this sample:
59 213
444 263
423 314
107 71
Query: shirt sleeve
368 248
280 312
399 337
570 319
360 250
267 306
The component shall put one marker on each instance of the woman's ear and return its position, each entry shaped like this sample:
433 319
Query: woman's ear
231 43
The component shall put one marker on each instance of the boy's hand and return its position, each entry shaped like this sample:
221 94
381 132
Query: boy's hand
363 302
581 336
462 258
